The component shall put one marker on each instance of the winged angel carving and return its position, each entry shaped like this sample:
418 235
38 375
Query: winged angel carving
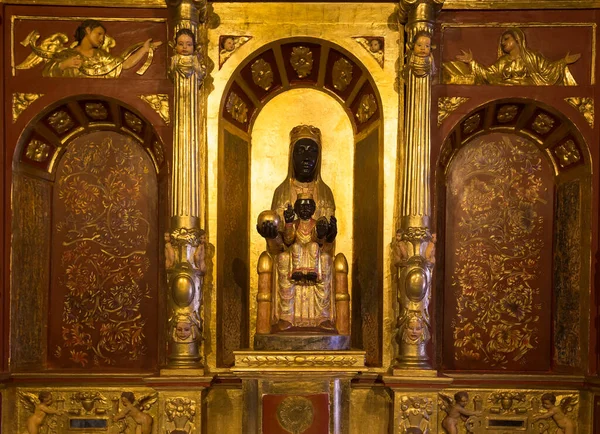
135 410
456 411
40 406
88 56
564 425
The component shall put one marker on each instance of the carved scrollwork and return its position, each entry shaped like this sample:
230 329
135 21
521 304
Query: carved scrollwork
447 104
160 104
585 105
416 414
299 360
21 101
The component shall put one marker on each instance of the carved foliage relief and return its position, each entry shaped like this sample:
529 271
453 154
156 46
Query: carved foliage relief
104 272
498 242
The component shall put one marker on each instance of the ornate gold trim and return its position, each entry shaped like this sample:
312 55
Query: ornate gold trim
160 104
448 5
447 104
585 105
21 101
521 4
105 3
338 361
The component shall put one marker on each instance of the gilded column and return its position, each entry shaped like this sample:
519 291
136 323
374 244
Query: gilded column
414 246
185 244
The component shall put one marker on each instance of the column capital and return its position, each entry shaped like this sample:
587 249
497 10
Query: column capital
188 10
418 15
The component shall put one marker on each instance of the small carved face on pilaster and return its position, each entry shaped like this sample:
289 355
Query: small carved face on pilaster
422 45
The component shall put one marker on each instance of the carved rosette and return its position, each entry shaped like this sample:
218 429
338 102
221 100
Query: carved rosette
185 244
302 61
262 74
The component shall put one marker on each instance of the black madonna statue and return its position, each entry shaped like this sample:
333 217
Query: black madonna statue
305 294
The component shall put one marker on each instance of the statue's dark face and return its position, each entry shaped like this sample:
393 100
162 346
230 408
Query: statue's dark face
304 208
305 156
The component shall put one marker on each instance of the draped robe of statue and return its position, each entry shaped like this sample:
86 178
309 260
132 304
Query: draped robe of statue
303 304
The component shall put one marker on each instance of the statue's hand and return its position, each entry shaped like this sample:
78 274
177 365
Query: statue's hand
267 230
332 229
466 56
288 214
322 227
571 58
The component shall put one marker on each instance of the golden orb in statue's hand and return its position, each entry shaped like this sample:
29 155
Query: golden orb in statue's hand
268 216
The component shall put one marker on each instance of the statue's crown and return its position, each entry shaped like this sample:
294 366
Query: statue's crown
304 196
305 132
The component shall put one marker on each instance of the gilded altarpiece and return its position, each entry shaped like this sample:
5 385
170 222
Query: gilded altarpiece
86 211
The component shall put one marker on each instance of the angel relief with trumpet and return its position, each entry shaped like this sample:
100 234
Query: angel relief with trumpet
88 56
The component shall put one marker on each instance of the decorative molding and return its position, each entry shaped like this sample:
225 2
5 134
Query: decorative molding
299 361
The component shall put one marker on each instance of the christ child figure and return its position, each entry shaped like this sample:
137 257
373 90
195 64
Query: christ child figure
304 235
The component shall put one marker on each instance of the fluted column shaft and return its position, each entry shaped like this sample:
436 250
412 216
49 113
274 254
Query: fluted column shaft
185 244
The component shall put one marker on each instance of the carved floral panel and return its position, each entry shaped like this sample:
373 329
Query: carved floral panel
498 246
103 299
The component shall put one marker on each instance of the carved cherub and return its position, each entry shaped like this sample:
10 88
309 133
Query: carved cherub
200 252
401 249
187 59
169 252
40 406
455 411
558 414
135 410
429 253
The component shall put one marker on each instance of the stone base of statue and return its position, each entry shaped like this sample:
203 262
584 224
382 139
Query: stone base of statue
352 361
299 341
